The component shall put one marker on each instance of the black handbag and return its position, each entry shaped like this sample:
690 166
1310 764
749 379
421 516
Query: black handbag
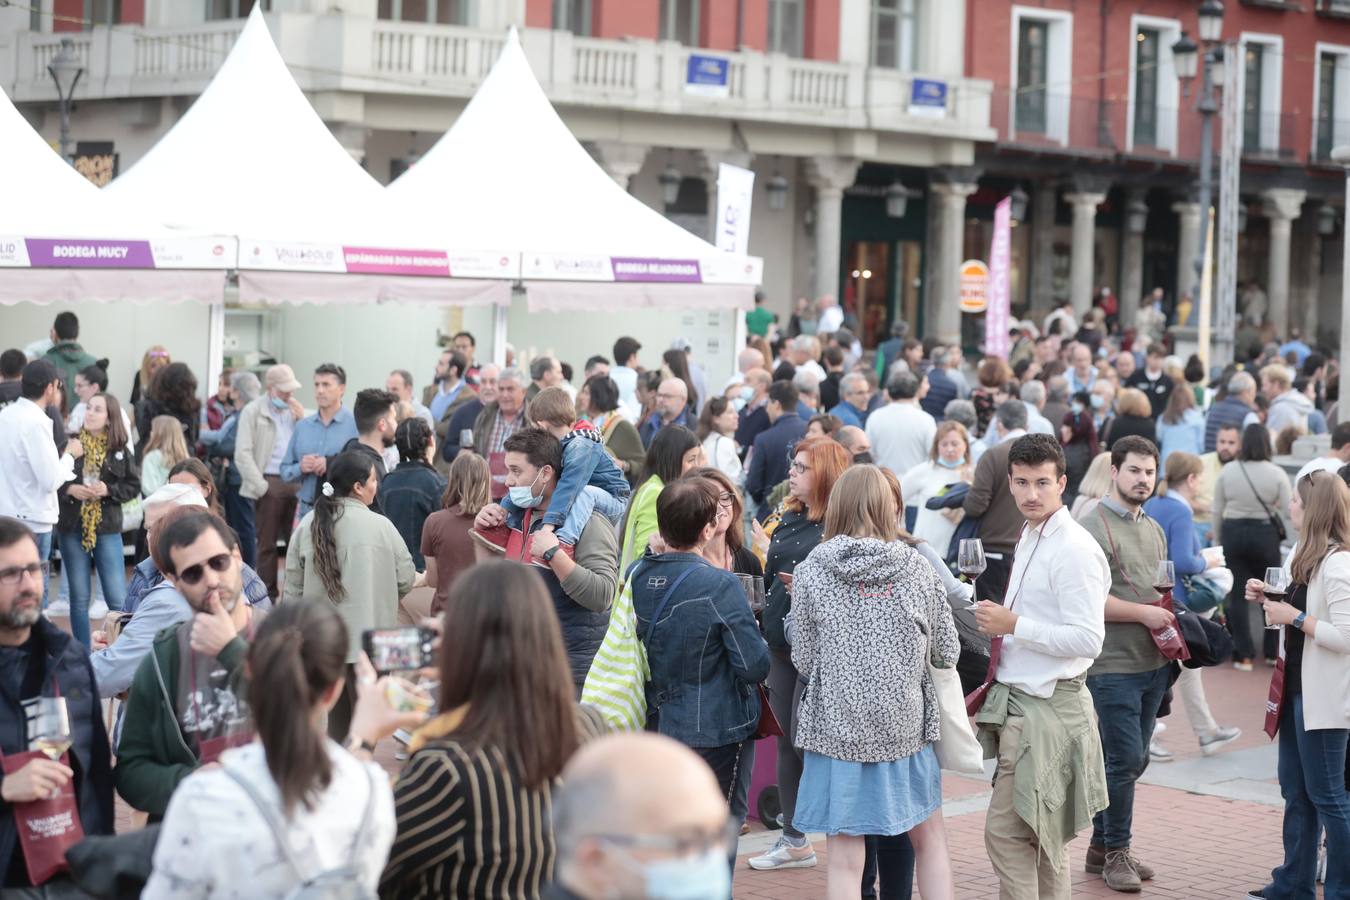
1275 521
114 867
1209 642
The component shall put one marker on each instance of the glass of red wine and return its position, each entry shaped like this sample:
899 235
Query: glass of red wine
1276 588
970 558
1165 576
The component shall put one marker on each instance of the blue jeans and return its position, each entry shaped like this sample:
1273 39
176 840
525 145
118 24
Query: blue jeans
1312 782
239 513
44 544
1127 707
591 499
107 558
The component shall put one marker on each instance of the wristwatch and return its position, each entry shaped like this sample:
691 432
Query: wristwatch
355 743
1299 620
550 553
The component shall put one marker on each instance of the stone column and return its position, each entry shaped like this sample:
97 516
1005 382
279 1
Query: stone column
1131 260
620 161
829 175
1188 245
949 201
1081 262
1044 199
1282 207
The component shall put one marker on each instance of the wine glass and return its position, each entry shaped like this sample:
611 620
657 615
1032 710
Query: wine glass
1165 576
1276 587
970 558
51 726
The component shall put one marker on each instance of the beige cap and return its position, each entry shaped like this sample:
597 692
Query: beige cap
282 377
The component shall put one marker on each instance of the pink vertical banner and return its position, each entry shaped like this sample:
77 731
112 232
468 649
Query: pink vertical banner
996 317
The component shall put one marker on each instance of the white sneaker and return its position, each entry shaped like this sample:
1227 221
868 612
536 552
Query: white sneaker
1158 753
98 610
58 609
1221 737
1159 726
784 856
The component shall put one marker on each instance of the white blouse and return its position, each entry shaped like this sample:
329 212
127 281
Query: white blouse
721 453
918 486
215 843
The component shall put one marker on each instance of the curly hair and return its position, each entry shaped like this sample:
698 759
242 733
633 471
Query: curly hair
174 388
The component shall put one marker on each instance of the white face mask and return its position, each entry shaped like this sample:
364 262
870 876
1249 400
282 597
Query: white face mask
702 877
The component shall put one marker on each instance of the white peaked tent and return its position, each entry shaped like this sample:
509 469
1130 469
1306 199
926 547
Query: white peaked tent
63 241
510 174
251 158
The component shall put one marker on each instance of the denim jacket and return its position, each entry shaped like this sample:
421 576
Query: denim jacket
412 492
585 462
706 653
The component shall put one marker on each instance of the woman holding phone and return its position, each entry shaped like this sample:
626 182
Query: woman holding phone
816 465
1314 723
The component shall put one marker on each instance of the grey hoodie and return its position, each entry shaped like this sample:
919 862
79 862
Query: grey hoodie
868 616
1290 408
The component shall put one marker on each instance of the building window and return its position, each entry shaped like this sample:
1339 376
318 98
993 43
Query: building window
785 26
1251 100
1033 37
573 16
679 21
101 12
1332 101
436 12
1146 87
895 32
233 9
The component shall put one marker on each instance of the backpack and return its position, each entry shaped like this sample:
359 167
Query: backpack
342 883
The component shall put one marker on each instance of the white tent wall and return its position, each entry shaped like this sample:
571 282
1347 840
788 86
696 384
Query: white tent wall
370 341
121 332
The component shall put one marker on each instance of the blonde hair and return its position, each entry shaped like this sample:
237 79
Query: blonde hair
469 484
1133 402
1097 480
943 430
1279 375
157 351
862 505
1326 522
1180 466
166 436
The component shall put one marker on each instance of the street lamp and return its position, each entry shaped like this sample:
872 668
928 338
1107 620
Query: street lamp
1185 54
1136 216
1017 210
1211 21
65 70
897 200
670 183
1326 220
777 189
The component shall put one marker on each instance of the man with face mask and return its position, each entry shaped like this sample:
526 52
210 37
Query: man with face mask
38 659
186 704
665 829
582 584
265 428
854 440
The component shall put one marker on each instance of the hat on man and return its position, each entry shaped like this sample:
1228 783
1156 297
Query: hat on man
282 377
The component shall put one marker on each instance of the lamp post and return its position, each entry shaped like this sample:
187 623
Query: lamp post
65 70
1186 57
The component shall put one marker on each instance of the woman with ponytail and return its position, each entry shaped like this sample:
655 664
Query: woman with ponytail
347 555
292 807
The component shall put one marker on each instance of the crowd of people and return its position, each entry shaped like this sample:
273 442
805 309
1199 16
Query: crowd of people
774 556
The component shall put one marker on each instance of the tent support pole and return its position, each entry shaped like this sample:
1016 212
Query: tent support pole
499 317
215 346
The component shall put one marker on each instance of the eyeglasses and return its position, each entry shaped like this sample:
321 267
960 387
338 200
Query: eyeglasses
661 396
726 498
690 843
14 574
193 574
799 468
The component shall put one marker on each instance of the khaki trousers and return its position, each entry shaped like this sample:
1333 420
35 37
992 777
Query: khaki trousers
1023 872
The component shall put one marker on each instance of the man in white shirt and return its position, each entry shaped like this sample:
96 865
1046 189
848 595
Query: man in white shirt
1332 462
831 315
32 468
1051 628
901 433
624 375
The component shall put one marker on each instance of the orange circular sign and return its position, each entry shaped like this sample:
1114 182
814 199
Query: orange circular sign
974 286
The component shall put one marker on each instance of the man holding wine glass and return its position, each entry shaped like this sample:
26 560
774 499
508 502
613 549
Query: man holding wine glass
1131 674
55 748
1045 636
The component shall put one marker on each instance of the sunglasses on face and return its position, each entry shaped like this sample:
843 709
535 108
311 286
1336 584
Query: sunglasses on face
193 574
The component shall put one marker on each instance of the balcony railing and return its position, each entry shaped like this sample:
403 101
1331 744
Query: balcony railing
1089 126
384 57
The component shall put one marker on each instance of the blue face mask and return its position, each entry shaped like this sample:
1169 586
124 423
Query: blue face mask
951 465
704 877
1077 409
278 403
1097 401
522 495
738 403
747 394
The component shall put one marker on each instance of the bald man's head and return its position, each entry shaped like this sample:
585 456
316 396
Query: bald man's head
853 439
671 398
750 358
632 804
759 379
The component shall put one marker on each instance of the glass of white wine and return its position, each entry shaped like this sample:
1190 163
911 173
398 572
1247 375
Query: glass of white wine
51 727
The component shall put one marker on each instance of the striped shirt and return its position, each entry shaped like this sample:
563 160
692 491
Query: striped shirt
467 827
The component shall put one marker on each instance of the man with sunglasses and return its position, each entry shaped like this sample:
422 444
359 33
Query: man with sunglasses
186 704
38 659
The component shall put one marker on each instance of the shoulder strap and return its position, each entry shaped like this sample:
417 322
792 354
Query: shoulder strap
269 816
665 597
1255 494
